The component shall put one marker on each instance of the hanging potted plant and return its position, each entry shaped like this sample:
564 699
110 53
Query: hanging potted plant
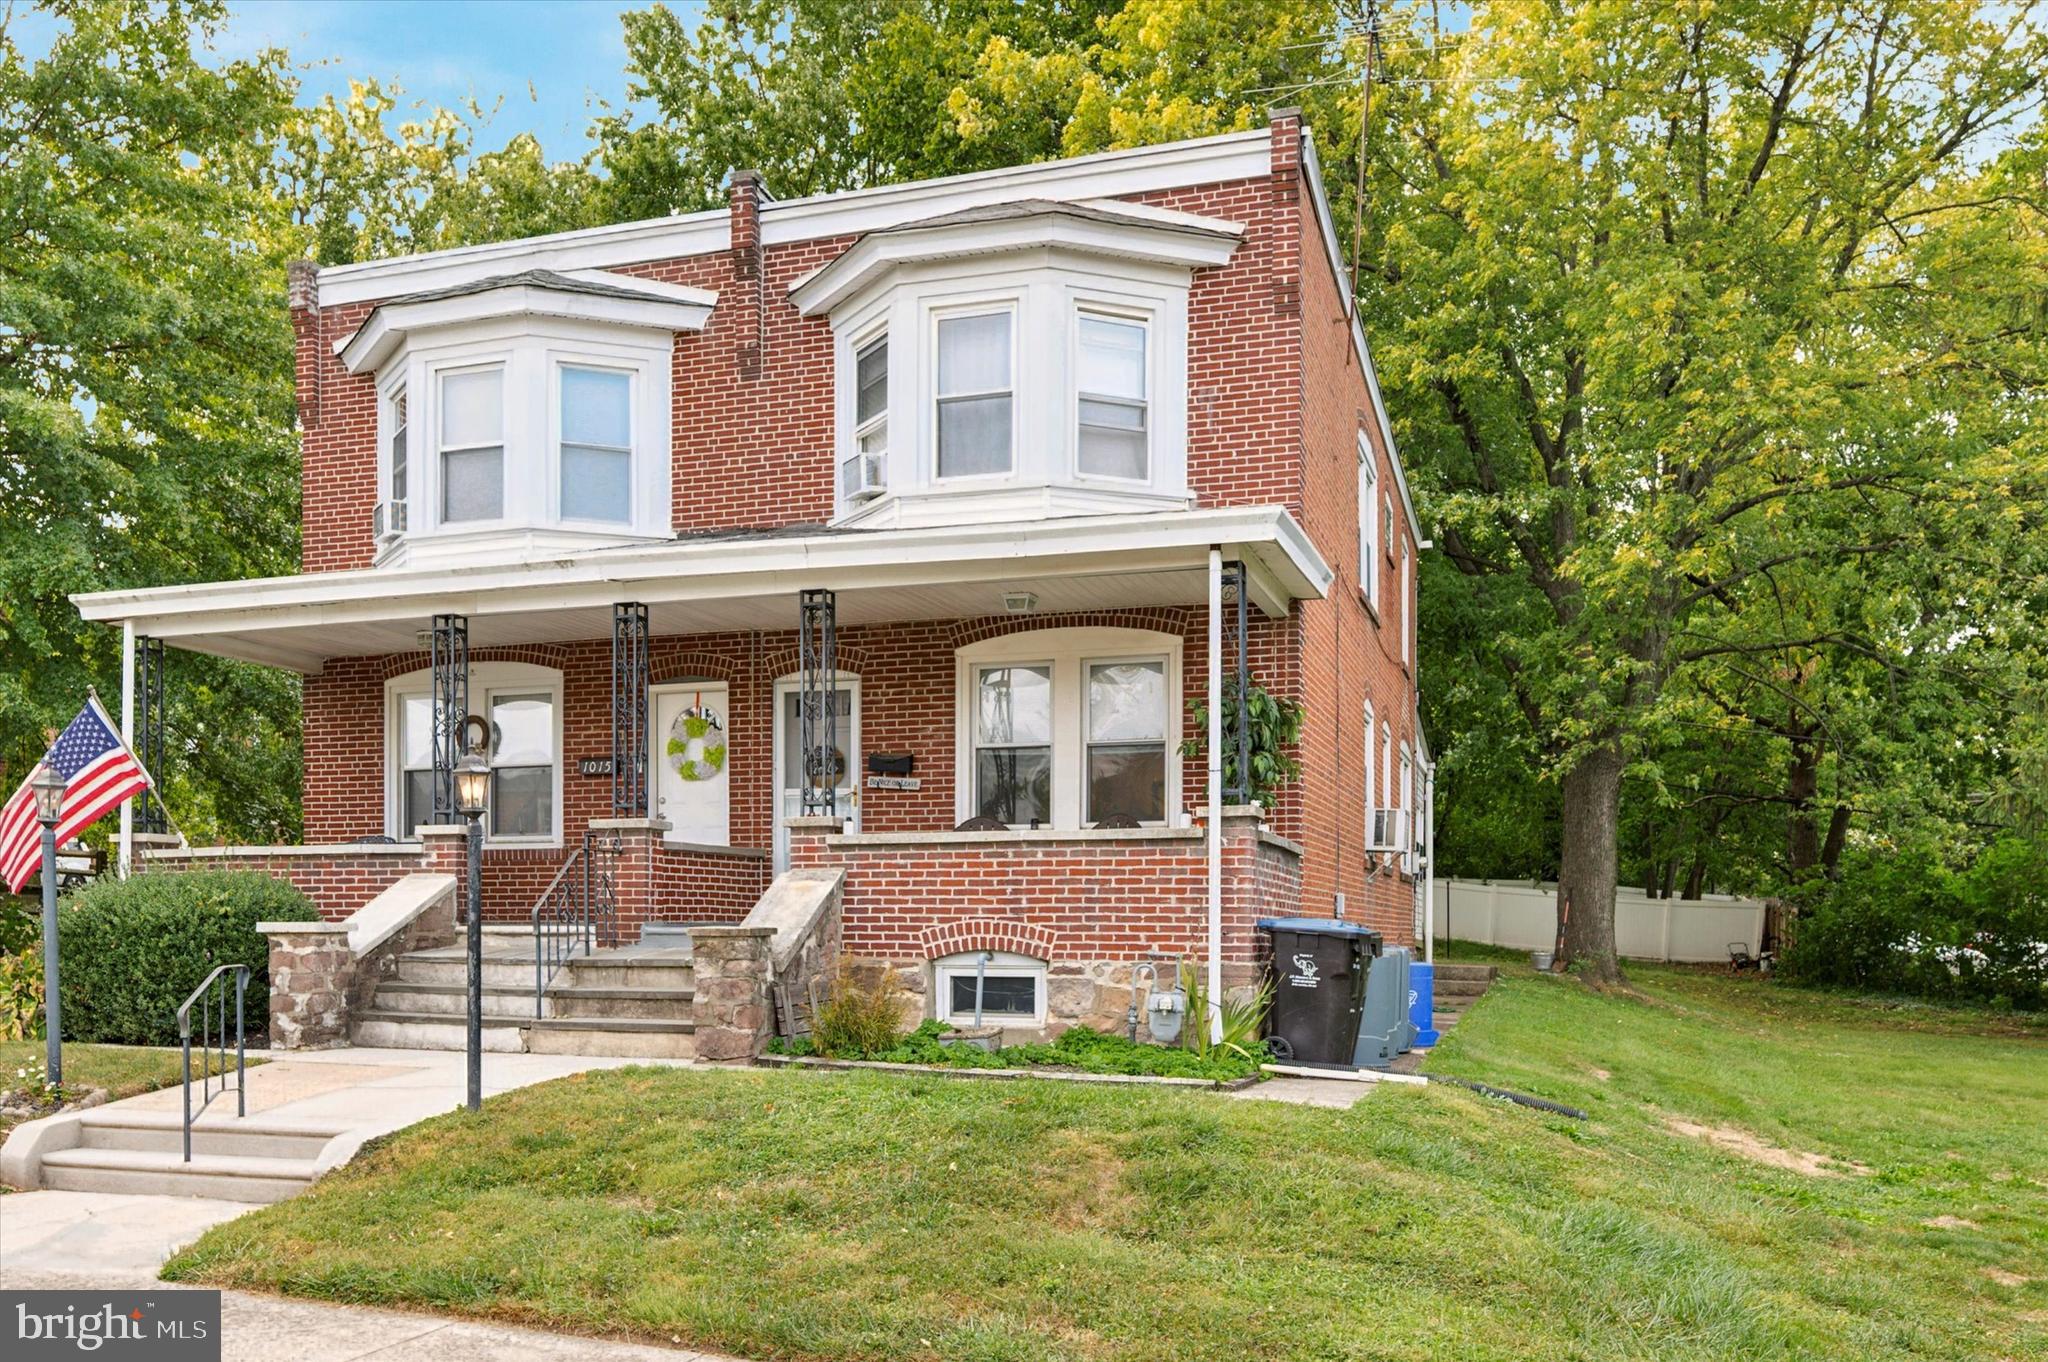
1274 726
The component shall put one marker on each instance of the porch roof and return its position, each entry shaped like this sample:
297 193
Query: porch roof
732 581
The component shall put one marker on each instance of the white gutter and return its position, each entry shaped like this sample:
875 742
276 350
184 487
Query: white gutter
1215 777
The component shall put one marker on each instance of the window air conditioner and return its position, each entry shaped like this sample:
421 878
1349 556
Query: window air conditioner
387 522
861 477
1388 833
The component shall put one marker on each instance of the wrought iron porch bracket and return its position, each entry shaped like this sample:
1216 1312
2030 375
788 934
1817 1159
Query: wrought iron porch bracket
818 705
629 710
449 651
1237 655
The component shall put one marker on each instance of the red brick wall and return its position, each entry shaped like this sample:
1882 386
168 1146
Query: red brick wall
338 880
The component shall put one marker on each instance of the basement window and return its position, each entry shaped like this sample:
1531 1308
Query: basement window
1012 988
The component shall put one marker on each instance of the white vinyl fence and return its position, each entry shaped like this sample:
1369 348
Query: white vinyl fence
1523 916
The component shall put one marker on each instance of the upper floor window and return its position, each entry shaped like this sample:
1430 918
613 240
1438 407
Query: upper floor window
597 444
1368 523
1113 439
395 445
473 444
975 388
871 397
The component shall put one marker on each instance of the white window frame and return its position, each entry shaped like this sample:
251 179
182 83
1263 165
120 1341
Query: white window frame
971 773
1009 307
1407 611
1368 523
877 335
440 374
1068 652
1408 804
1167 745
1371 759
486 679
391 393
1001 964
1128 316
636 469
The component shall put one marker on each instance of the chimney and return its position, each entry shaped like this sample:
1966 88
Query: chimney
750 306
302 296
1285 196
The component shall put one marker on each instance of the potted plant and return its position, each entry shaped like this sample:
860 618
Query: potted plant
1274 726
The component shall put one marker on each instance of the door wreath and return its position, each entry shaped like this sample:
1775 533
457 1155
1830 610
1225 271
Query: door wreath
696 743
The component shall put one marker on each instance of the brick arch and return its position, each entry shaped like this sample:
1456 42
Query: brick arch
665 667
987 934
784 661
1165 619
552 655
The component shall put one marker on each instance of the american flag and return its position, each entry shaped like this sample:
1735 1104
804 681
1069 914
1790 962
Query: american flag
100 773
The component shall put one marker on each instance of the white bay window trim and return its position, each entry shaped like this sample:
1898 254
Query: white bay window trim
532 360
1067 654
489 682
1047 295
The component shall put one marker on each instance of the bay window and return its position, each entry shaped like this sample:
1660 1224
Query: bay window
596 444
395 446
473 444
1013 744
974 390
1113 438
1126 770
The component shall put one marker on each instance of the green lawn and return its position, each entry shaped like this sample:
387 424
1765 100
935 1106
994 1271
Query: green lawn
803 1215
123 1070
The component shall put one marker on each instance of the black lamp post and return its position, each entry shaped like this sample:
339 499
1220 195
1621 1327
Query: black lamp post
472 785
49 790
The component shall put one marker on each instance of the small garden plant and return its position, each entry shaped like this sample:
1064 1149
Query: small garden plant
1079 1049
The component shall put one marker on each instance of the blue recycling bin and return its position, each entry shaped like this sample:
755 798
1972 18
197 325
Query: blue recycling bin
1422 1003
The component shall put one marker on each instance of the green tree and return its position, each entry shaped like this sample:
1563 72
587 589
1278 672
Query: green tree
1677 301
145 380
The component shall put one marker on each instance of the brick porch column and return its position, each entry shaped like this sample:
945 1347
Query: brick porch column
1261 878
732 1009
445 848
807 836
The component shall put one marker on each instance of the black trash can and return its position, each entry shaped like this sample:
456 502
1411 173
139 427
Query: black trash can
1319 969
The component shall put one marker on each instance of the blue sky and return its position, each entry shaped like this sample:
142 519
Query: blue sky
547 59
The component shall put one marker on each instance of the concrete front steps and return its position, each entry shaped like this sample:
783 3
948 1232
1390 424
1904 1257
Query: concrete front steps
141 1152
635 1002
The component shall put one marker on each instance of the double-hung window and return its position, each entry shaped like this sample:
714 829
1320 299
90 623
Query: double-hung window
1126 759
416 763
1114 439
473 445
395 446
596 444
522 764
1013 743
871 397
1371 786
1368 523
975 394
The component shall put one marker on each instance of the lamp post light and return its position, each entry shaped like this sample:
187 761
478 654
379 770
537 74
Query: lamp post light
49 790
472 784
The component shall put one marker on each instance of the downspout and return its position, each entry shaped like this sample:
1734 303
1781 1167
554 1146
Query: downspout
127 856
1429 863
1215 780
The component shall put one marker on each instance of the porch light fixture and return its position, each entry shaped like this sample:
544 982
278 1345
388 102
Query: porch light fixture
472 785
49 790
1020 602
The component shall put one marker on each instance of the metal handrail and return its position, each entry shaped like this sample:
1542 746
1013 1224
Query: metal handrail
558 921
216 1006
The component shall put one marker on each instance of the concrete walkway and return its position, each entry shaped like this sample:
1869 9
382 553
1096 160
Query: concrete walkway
55 1240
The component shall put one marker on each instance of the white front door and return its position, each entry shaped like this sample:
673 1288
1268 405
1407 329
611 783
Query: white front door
789 760
692 782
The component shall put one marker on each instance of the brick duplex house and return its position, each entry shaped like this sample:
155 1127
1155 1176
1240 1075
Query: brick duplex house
887 533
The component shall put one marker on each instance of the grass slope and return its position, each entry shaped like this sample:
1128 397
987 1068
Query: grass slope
794 1215
123 1070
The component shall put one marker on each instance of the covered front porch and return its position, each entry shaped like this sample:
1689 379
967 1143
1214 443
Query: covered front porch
994 717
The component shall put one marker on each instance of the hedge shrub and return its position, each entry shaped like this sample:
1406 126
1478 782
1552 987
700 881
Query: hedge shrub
1905 923
131 951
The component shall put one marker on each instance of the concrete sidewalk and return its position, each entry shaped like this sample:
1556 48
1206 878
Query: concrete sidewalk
268 1328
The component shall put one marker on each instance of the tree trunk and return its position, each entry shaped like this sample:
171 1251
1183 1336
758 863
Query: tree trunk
1586 872
1696 878
1831 850
1802 783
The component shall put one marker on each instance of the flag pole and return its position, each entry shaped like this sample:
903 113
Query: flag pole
127 733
